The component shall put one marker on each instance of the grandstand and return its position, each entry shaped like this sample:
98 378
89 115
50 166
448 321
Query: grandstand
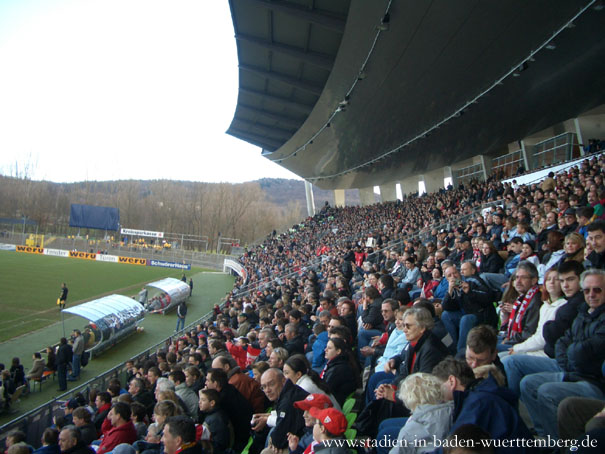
494 251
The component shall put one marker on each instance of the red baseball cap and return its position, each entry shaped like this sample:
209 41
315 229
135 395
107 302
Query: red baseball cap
314 401
332 419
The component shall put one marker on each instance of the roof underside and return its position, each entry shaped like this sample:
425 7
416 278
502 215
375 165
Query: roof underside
300 60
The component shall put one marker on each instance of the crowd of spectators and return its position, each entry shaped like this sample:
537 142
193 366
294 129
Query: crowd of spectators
438 332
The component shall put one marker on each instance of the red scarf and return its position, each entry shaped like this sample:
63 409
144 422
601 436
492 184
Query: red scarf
519 308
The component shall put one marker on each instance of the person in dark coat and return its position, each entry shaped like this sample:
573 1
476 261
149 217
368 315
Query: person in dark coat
482 403
580 354
423 352
64 355
82 419
214 418
136 388
491 262
103 404
596 238
70 442
294 341
338 372
50 442
237 408
467 303
285 418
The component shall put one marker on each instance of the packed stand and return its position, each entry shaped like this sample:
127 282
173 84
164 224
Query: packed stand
436 336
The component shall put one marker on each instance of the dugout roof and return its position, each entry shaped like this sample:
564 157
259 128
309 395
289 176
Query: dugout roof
354 93
114 311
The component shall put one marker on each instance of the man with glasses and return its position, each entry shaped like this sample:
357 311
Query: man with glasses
525 314
579 353
517 366
285 418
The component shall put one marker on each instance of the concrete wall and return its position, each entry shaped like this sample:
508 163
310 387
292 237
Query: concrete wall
366 195
433 181
388 192
409 185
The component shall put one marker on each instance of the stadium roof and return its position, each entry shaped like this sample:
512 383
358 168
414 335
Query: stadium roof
352 94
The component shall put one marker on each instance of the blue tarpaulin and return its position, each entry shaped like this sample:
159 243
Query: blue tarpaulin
93 217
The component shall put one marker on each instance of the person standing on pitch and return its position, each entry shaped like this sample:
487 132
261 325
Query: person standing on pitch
77 351
181 313
63 296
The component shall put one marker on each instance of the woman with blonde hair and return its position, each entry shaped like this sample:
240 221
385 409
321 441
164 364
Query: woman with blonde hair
431 417
574 247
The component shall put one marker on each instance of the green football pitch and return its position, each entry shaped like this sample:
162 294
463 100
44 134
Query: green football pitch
30 320
31 284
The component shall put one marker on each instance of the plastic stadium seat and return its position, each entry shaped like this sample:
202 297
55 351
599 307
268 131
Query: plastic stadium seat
349 404
350 434
351 417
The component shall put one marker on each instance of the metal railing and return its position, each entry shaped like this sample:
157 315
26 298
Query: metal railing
555 150
508 163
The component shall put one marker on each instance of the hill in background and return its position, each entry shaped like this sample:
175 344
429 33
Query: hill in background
281 191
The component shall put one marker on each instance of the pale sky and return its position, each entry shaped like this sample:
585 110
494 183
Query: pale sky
122 89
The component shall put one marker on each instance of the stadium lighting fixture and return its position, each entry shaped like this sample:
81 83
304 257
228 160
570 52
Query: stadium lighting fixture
550 46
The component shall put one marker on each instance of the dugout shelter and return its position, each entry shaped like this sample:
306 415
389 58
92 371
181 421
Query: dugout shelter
166 294
110 320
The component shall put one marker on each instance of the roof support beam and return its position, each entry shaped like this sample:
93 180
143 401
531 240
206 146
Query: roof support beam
283 119
288 80
316 17
301 107
313 58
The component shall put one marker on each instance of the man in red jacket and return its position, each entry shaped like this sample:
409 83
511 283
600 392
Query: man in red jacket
123 430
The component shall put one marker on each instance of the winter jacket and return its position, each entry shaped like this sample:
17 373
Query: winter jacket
80 448
581 351
428 422
189 398
429 352
239 411
396 343
339 375
318 348
492 263
249 388
493 409
373 315
478 301
126 433
554 329
289 418
37 369
218 425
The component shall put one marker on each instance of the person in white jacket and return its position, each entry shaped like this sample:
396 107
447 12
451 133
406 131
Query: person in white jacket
534 345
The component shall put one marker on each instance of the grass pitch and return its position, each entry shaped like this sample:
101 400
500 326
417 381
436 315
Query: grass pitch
30 285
